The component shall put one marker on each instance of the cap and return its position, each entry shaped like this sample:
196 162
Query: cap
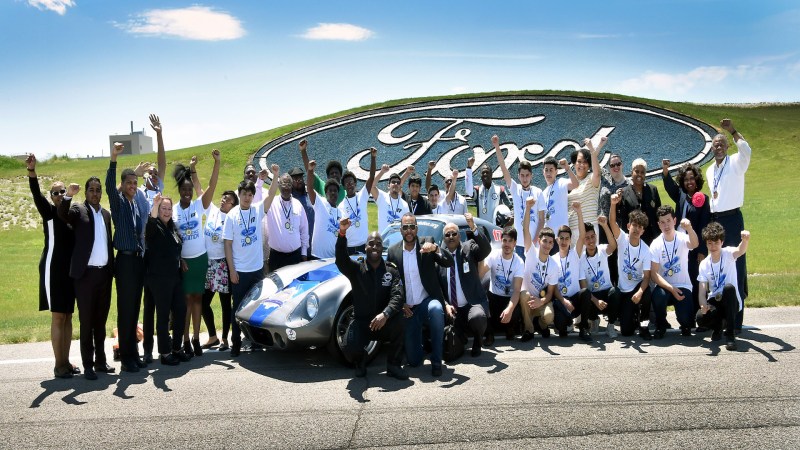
296 171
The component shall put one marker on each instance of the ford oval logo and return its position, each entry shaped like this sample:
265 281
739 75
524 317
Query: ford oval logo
530 127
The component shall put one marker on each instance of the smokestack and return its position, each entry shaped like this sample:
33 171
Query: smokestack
131 127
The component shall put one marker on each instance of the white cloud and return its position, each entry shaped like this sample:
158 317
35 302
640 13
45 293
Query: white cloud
57 6
676 83
338 32
199 23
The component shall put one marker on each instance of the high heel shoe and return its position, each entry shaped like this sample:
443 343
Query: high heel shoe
187 349
198 349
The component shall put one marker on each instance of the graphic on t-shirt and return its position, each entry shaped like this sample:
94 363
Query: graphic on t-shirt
503 282
596 279
719 284
250 236
566 277
536 277
333 225
187 229
214 232
672 267
629 267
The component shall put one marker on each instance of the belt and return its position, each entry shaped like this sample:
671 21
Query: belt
729 212
96 267
137 253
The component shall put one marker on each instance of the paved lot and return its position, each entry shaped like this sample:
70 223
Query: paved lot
675 393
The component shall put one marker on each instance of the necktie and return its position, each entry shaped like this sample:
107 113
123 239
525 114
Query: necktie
453 295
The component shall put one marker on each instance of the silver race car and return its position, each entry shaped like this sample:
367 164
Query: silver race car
308 304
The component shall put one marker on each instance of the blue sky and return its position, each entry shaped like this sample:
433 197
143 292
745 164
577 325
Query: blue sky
74 71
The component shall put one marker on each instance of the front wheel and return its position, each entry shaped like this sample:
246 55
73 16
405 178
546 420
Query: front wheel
341 325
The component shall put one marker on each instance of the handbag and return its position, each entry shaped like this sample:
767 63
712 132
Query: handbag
454 342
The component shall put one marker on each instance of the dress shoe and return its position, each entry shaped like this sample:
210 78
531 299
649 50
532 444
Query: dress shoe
659 334
361 370
187 348
104 368
730 343
236 350
170 359
62 372
436 371
701 330
129 366
75 369
396 372
139 363
526 336
198 349
686 331
147 358
563 333
476 347
644 333
182 356
90 374
716 335
737 331
545 332
224 346
584 336
210 343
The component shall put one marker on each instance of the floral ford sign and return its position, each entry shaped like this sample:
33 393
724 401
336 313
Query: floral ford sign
530 128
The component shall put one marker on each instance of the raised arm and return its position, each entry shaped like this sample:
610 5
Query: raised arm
480 239
573 179
373 153
374 192
500 161
343 262
208 195
469 188
111 175
612 243
63 210
670 186
198 190
429 175
693 240
451 192
526 222
612 214
273 188
42 205
310 167
161 156
742 248
406 174
581 231
595 152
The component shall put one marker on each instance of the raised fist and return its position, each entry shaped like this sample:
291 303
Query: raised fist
686 224
275 171
312 165
602 220
73 189
118 148
495 141
215 155
745 235
615 198
303 145
563 163
344 224
431 165
470 161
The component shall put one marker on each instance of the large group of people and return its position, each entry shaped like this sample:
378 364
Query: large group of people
593 243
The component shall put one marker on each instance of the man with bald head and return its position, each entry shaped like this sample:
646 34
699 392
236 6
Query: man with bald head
287 227
465 299
377 302
726 179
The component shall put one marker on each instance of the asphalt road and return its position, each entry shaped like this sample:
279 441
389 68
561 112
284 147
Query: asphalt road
675 393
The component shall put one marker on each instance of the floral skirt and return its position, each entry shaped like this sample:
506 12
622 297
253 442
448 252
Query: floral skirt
217 276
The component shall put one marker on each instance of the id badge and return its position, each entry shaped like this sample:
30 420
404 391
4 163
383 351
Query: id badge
466 266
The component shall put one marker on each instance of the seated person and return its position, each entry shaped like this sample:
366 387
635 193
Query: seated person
596 276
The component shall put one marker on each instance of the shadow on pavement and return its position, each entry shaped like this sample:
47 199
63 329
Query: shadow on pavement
73 387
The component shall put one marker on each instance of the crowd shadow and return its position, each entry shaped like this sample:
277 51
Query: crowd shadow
73 388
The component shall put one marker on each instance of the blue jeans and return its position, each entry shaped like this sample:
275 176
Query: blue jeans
684 309
429 313
238 291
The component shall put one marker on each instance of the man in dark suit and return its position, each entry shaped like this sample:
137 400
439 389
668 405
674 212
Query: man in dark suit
417 260
466 300
91 267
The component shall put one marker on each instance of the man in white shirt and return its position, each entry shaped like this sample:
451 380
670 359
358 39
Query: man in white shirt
391 207
726 179
454 203
669 272
354 207
326 214
287 227
487 195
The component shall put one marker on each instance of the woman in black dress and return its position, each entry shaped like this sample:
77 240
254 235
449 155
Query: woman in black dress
163 278
56 289
642 196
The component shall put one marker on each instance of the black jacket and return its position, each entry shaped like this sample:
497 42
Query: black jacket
427 263
475 249
698 217
163 256
649 205
81 218
374 290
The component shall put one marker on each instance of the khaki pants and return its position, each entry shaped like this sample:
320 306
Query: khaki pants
544 313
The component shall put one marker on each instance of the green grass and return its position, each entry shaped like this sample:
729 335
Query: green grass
773 132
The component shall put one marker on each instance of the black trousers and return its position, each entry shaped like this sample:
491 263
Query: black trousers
733 223
168 296
581 303
497 303
359 335
726 308
279 259
129 276
238 291
611 297
208 313
148 320
93 291
472 319
632 314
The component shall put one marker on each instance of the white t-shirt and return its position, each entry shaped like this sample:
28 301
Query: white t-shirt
519 196
594 269
189 222
326 228
243 229
632 261
215 222
457 206
356 209
503 271
569 272
538 274
555 204
718 274
674 259
150 194
487 200
389 209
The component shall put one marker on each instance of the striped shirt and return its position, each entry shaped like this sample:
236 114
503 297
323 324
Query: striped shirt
587 195
127 216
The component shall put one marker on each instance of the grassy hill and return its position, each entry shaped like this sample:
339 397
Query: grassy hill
773 132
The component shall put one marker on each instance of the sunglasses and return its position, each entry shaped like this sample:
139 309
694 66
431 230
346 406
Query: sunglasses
61 192
409 226
451 234
615 165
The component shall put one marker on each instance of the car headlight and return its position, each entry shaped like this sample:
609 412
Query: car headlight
252 295
312 305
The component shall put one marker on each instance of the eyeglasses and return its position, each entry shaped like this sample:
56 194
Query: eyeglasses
615 165
61 192
451 234
409 226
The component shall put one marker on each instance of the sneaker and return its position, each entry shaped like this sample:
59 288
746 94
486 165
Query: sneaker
716 335
611 331
526 336
397 372
644 333
730 343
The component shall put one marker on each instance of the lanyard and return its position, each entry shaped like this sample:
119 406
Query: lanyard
510 266
395 208
718 275
670 255
721 170
287 212
589 263
543 274
635 260
246 225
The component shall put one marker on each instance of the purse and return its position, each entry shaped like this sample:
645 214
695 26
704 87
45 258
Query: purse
454 342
